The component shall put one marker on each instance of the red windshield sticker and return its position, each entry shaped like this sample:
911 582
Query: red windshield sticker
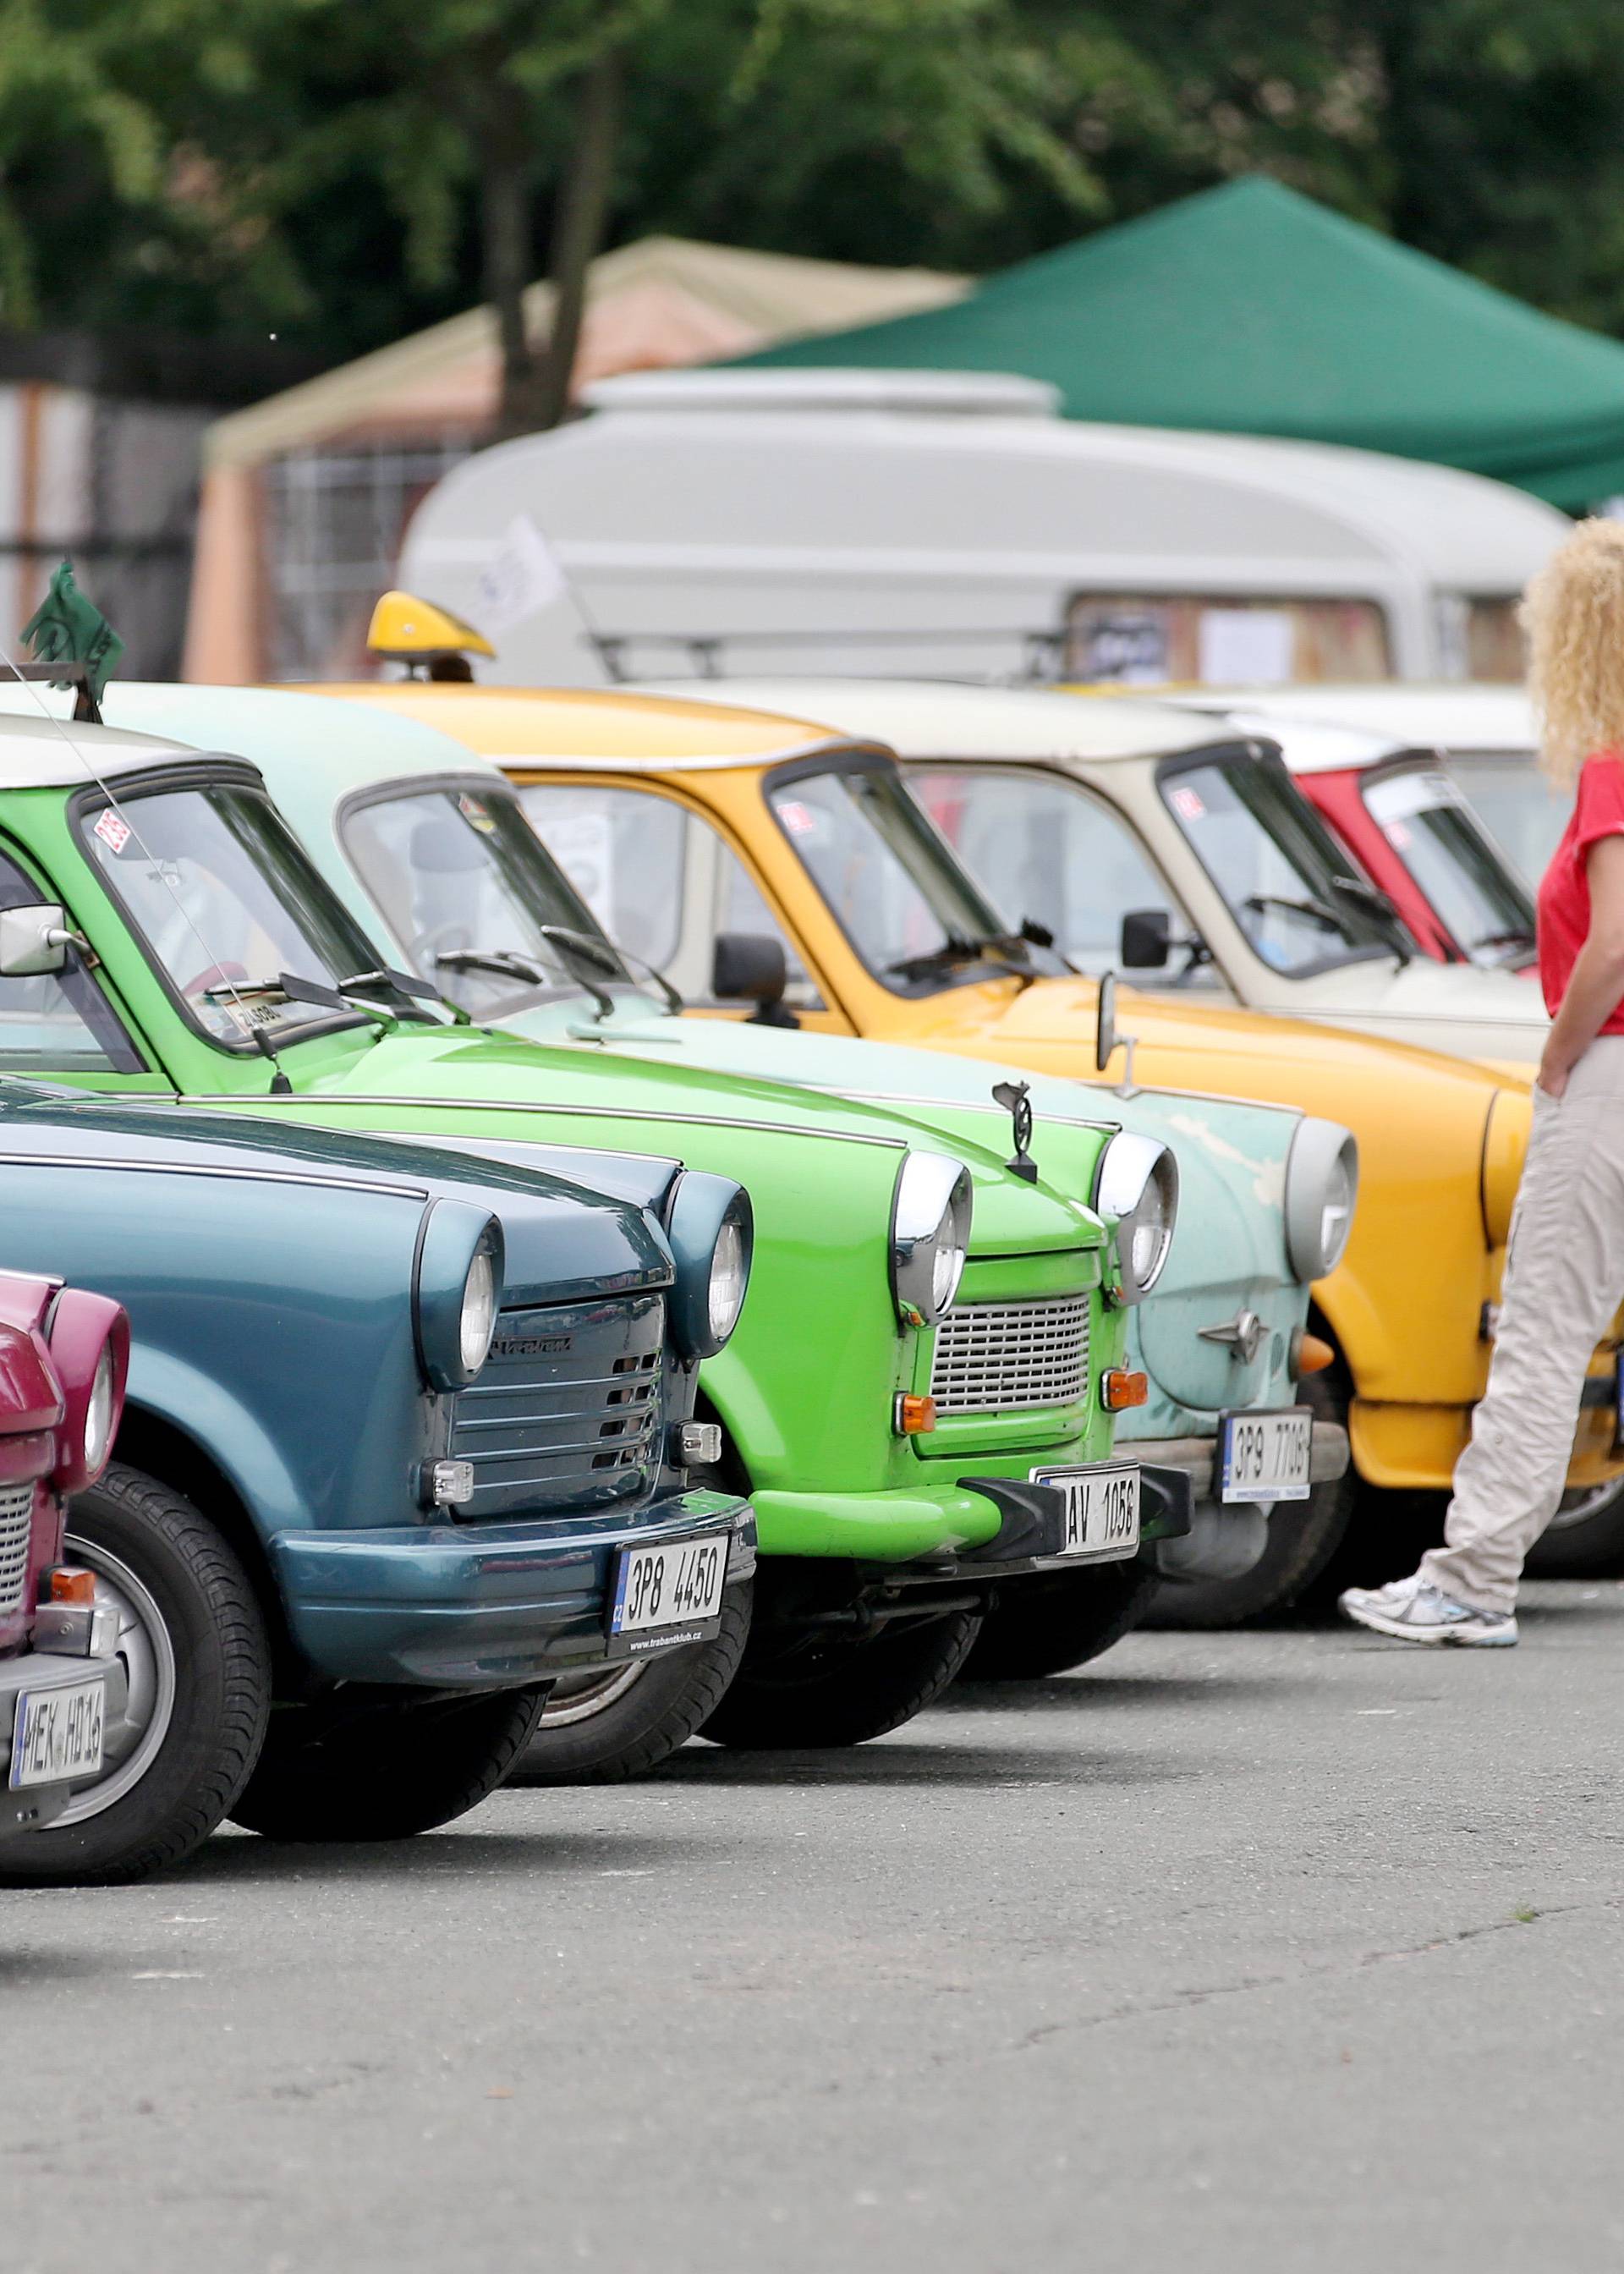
114 834
477 815
796 817
1399 837
1186 803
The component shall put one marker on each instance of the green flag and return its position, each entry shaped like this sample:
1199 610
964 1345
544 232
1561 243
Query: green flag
66 628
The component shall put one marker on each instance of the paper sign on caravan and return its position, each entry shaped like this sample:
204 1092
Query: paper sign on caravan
520 578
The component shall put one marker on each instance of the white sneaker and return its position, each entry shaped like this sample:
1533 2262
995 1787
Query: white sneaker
1412 1610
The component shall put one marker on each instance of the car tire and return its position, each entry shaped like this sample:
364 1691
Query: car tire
1582 1546
623 1719
1303 1535
199 1665
385 1769
837 1689
1063 1619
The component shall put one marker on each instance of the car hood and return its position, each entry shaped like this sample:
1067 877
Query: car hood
656 1101
560 1232
1453 1007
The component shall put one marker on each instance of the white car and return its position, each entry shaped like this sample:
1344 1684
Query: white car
1172 846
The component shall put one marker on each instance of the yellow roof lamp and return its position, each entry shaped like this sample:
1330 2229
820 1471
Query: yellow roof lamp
430 642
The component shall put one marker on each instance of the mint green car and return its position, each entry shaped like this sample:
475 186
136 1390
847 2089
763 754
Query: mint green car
428 844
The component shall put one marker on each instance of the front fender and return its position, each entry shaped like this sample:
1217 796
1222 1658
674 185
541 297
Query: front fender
200 1408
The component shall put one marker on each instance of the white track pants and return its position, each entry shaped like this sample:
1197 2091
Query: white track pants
1564 1281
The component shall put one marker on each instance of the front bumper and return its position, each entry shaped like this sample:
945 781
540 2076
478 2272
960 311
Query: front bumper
36 1670
480 1607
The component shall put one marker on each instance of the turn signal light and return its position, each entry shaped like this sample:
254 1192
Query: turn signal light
1313 1354
68 1583
1119 1389
914 1417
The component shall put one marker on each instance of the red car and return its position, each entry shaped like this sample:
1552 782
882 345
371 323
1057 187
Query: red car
63 1359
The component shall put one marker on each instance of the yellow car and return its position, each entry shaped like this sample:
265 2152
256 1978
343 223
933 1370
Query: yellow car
840 906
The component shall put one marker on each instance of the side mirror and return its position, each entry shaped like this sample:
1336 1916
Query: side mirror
1105 1024
748 967
33 940
1146 939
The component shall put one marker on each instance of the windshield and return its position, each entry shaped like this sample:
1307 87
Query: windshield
1295 894
1457 868
1517 806
459 875
918 919
224 901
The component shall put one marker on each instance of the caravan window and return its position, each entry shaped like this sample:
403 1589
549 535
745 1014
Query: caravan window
1213 640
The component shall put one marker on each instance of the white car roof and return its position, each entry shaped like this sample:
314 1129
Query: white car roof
925 719
1460 715
39 753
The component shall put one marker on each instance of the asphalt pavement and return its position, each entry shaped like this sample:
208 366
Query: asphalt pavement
1291 1950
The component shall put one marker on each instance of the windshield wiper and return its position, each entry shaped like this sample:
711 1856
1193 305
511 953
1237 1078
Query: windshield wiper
1380 904
1318 911
1007 947
609 955
506 963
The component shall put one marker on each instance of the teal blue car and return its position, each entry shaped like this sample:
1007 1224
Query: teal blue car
429 846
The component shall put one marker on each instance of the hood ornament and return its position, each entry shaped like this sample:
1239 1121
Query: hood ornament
1016 1099
1244 1336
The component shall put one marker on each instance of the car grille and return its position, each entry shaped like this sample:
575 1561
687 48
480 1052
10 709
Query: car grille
995 1358
16 1524
566 1413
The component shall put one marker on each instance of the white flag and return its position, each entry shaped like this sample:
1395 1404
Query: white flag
524 577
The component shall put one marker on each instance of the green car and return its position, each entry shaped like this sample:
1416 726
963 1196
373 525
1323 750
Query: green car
162 931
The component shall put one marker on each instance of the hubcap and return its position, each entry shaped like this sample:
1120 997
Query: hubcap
1579 1507
130 1745
580 1697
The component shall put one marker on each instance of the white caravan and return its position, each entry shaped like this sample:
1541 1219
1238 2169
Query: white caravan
939 525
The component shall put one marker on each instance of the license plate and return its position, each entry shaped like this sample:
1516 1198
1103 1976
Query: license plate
677 1585
1266 1456
57 1734
1102 1508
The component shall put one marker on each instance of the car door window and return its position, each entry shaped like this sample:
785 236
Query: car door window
1050 850
659 878
56 1022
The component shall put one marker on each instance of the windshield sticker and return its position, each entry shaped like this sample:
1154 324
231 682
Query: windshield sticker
477 815
796 817
114 834
1186 803
1399 836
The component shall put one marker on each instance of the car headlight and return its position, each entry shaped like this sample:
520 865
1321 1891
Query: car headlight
458 1292
1322 1185
99 1417
711 1230
1136 1187
930 1236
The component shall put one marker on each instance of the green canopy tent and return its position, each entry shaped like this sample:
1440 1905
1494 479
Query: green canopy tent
1251 310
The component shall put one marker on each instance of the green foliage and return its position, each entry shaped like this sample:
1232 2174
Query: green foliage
321 167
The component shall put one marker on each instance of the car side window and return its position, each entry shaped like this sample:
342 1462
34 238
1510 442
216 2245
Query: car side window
660 880
56 1022
1052 851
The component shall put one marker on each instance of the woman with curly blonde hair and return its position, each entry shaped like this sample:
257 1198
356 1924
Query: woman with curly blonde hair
1565 1270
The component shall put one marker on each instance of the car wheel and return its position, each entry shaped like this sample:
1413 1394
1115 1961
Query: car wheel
817 1689
1303 1537
619 1720
384 1768
197 1663
1063 1619
1585 1538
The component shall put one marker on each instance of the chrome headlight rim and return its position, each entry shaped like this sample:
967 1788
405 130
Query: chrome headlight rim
460 1258
99 1407
1136 1189
1321 1193
931 1211
729 1281
476 1320
711 1227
